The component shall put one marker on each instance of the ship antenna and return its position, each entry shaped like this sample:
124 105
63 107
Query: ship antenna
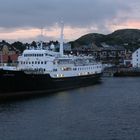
41 39
61 38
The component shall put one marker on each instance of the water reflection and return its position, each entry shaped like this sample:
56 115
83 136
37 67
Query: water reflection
105 111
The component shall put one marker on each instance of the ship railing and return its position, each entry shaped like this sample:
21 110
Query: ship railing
85 64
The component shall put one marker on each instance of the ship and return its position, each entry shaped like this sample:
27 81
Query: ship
44 70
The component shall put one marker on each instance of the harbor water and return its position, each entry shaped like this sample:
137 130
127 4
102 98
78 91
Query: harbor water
106 111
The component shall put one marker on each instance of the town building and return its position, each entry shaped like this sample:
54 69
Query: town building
113 54
136 58
8 54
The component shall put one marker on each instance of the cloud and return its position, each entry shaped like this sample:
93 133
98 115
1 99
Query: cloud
39 13
89 15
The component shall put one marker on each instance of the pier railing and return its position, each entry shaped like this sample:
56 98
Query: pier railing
110 71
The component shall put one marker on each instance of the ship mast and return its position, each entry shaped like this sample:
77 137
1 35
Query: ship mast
61 39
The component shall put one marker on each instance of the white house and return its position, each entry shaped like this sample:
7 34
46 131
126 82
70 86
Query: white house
136 58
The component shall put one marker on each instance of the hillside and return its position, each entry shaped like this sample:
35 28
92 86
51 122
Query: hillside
128 38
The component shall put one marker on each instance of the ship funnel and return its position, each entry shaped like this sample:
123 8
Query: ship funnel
61 39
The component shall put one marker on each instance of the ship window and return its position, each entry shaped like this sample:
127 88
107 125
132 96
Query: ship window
45 62
29 62
41 62
32 62
54 69
66 68
38 62
26 62
44 69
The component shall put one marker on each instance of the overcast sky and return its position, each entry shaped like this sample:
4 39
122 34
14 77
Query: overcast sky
23 19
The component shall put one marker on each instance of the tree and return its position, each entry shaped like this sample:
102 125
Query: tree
19 46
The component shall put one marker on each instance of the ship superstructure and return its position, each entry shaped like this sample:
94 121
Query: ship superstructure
40 61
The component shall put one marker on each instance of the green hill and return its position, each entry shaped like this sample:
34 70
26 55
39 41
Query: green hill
129 38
